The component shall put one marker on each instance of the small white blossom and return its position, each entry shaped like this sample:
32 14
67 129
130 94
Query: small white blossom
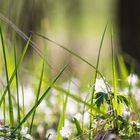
125 91
126 113
24 130
86 118
100 86
65 132
28 136
136 94
78 116
24 133
133 79
52 134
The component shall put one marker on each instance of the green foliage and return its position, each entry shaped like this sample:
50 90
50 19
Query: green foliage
100 98
106 109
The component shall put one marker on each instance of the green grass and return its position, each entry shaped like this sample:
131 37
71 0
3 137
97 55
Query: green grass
104 108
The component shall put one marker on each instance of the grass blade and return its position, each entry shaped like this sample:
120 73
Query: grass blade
4 112
76 98
69 51
96 73
14 72
37 97
115 103
40 100
16 76
62 118
11 115
23 106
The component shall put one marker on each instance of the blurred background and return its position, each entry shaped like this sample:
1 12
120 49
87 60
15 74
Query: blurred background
75 24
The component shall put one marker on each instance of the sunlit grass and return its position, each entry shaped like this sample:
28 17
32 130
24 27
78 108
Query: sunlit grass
46 108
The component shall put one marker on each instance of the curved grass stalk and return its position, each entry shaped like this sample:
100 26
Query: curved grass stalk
71 53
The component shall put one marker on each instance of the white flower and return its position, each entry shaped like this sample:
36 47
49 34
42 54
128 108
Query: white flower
24 131
52 134
100 86
126 113
136 94
28 136
133 79
65 132
125 91
78 116
86 118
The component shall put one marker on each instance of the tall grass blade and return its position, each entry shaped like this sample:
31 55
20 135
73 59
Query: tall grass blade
115 103
40 99
37 97
16 76
123 71
114 73
62 118
14 72
96 73
4 112
23 106
11 115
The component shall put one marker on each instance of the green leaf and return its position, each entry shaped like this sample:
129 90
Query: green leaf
100 98
122 99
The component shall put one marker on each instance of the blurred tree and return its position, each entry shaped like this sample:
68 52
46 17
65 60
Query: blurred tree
129 29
